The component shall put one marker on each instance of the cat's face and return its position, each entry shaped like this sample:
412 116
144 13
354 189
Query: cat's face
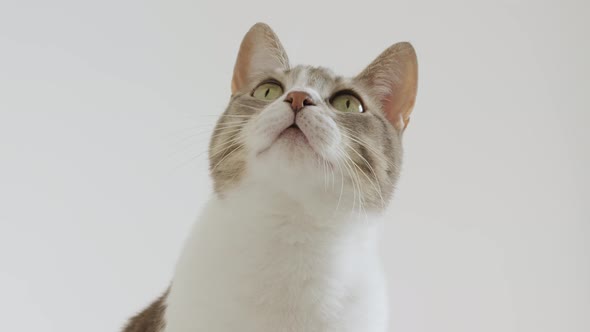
307 131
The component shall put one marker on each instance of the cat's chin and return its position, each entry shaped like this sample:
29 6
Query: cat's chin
291 149
293 136
291 142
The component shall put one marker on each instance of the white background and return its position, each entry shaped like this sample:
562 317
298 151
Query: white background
106 107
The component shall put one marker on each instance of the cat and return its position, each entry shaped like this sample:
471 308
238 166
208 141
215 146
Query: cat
303 163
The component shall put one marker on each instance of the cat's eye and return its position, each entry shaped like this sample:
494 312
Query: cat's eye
347 103
268 91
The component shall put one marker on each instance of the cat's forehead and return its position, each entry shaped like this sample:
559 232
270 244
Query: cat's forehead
318 78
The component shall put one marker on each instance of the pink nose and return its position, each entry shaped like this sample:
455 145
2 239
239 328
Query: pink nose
298 100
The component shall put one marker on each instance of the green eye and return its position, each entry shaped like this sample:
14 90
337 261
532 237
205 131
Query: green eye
268 91
347 103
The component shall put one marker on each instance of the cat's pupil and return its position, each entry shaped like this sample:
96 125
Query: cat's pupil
347 103
266 93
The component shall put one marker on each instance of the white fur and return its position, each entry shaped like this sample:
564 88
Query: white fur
283 250
256 261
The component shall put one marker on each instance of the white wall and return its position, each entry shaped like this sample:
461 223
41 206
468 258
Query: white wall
106 106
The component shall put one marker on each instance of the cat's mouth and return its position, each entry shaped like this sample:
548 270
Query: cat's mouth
294 134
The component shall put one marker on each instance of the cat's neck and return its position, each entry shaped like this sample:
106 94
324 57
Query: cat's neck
319 209
272 225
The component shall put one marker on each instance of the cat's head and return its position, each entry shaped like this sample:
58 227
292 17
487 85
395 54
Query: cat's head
307 131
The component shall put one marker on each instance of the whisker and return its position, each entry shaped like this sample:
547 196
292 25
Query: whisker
231 143
225 157
233 121
222 127
341 180
350 172
185 140
248 106
369 147
233 131
226 115
358 182
375 184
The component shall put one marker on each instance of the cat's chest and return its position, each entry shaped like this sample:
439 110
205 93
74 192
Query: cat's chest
301 285
268 273
297 270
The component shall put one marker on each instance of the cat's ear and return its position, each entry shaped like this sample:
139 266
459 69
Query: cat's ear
393 76
260 51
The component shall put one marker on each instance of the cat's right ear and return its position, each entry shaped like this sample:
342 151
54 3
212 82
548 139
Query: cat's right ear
260 51
393 76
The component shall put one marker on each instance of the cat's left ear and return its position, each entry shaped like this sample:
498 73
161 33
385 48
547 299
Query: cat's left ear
260 51
393 76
